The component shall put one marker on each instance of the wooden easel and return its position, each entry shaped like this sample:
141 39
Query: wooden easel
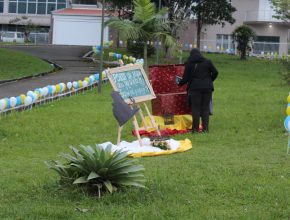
136 126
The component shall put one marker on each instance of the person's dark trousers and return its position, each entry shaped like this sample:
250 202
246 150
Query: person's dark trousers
200 108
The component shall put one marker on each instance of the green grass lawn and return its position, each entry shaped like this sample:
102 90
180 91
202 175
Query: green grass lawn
16 64
239 170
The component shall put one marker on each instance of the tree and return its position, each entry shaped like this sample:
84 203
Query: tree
212 12
179 15
146 25
282 8
123 9
243 36
27 24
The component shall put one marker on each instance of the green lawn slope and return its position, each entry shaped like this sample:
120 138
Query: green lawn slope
16 64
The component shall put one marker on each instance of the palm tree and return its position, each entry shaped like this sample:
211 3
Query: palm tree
243 36
147 25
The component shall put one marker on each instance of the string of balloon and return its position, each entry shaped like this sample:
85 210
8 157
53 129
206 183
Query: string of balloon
52 92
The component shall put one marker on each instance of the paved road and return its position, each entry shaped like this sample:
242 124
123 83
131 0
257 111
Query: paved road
69 57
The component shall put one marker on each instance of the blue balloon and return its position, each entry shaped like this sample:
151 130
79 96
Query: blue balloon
97 77
8 103
98 47
18 101
91 81
49 90
61 87
287 123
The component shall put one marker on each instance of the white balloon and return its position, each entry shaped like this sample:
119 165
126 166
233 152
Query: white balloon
13 102
69 85
75 84
53 89
2 104
44 91
29 93
85 83
27 100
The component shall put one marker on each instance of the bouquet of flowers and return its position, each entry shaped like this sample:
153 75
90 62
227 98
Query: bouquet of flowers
160 142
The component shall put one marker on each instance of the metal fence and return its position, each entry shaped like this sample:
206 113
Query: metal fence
257 48
39 38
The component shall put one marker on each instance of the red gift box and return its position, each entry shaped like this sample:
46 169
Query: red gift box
171 99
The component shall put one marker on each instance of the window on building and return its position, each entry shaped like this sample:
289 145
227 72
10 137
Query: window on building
224 43
1 6
266 44
33 6
41 8
21 9
12 7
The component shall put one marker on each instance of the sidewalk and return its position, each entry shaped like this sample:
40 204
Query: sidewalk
68 57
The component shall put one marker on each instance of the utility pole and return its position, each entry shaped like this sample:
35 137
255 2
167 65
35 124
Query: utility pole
157 46
102 47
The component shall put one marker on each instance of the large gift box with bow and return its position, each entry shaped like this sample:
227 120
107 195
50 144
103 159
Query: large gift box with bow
171 99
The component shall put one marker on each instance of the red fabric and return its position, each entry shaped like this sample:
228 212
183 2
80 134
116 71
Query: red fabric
171 98
170 104
162 78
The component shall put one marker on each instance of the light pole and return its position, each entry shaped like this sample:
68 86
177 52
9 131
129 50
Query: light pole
157 52
102 47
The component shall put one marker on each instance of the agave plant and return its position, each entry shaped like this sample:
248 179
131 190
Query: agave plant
99 168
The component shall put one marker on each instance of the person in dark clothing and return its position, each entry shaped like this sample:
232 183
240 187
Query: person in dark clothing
199 75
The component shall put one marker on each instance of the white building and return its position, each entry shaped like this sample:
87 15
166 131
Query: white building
272 34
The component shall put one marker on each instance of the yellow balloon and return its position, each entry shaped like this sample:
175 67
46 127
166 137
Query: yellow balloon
288 110
22 96
57 88
288 99
64 87
80 83
87 79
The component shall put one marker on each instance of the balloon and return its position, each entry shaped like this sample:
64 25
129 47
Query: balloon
44 91
87 79
287 123
49 90
85 83
13 101
80 83
7 103
53 89
18 101
22 96
104 74
2 104
97 77
69 85
92 79
30 93
28 101
62 87
288 110
57 88
33 96
75 84
288 99
111 54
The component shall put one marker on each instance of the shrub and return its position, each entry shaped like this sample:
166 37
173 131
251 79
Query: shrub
99 169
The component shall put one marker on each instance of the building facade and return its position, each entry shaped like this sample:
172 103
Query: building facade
37 11
272 34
